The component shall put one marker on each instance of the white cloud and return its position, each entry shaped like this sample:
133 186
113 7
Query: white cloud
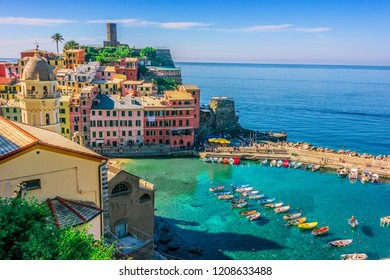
165 25
313 30
255 28
34 21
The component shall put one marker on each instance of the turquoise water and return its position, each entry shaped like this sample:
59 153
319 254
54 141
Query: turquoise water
329 106
183 198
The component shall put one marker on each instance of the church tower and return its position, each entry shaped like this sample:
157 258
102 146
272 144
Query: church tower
39 100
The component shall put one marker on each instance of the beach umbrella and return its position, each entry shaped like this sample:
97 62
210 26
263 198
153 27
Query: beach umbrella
212 140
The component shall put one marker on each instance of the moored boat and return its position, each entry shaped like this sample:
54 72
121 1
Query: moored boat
305 226
217 189
273 205
272 163
220 160
240 205
222 193
353 174
235 187
342 172
385 221
242 190
266 200
353 223
298 165
320 231
292 216
225 161
282 209
254 216
207 159
248 193
237 200
286 164
236 161
316 167
354 257
247 212
341 243
309 166
256 196
279 163
365 177
375 178
264 162
293 163
225 197
296 221
231 161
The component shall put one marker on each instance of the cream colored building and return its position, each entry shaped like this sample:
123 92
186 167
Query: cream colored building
68 177
39 99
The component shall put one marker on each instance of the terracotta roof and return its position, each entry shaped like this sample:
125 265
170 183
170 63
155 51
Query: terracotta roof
178 95
191 87
6 81
69 213
15 137
131 59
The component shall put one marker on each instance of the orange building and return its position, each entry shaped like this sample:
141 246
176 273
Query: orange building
74 57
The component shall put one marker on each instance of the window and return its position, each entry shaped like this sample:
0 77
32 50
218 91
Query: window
100 113
114 133
180 122
100 134
129 132
32 184
108 113
121 229
138 113
114 113
62 130
139 132
47 119
108 133
93 113
94 134
76 128
120 189
187 112
129 113
187 122
123 133
144 198
123 113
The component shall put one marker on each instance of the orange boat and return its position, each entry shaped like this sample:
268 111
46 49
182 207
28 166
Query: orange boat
320 231
248 212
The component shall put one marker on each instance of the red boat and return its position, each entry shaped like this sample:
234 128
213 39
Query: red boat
286 163
236 161
320 231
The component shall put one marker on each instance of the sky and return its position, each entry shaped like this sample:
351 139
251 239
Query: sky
349 32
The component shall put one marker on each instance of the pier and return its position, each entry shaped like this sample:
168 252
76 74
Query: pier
327 158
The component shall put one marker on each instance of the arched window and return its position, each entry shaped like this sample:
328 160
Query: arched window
120 189
175 143
32 90
47 119
181 142
144 198
44 89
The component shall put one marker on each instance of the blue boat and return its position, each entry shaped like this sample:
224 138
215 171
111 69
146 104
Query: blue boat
265 201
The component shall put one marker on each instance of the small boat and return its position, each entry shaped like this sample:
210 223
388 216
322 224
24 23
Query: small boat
320 231
237 200
222 193
375 178
282 209
247 212
266 200
206 159
273 205
240 205
293 163
236 161
341 243
342 172
279 163
309 166
292 216
316 167
385 221
217 189
286 164
225 197
353 174
256 196
298 165
242 190
248 193
264 162
235 187
220 160
353 223
305 226
296 221
354 257
272 163
254 216
231 161
225 161
365 177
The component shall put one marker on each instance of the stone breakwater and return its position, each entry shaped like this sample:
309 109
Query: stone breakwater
306 153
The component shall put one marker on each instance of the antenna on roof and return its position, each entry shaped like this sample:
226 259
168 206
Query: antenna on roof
36 45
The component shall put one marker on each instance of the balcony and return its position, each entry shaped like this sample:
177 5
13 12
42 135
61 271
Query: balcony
38 95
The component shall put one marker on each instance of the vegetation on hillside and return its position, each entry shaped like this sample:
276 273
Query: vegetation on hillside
69 45
165 84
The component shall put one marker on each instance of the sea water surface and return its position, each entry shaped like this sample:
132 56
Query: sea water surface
331 106
184 200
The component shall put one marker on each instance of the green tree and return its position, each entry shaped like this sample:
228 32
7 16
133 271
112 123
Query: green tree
71 45
123 51
27 231
148 52
57 37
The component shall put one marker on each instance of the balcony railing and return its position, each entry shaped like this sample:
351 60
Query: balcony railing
38 95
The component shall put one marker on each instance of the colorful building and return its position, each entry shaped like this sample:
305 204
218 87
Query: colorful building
9 70
11 110
57 62
67 177
64 116
195 93
74 57
108 86
33 52
106 73
9 87
128 67
138 88
116 121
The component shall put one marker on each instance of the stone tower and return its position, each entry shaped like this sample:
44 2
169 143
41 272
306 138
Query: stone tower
39 100
111 36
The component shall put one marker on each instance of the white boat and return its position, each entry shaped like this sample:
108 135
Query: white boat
273 205
220 160
316 167
342 172
254 217
309 166
375 178
354 257
264 162
272 163
248 193
353 174
266 200
366 176
206 159
231 161
256 196
282 209
293 163
242 190
298 165
279 163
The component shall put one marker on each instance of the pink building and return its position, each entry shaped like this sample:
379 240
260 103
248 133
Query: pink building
116 121
106 73
9 70
170 119
138 88
128 67
80 112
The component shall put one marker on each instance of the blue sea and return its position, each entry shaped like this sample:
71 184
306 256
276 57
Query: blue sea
329 106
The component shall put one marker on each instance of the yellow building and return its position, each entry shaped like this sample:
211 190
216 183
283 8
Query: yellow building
43 164
39 100
64 116
58 62
11 110
9 87
108 86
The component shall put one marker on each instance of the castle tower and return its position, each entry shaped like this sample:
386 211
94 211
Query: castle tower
111 36
39 101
